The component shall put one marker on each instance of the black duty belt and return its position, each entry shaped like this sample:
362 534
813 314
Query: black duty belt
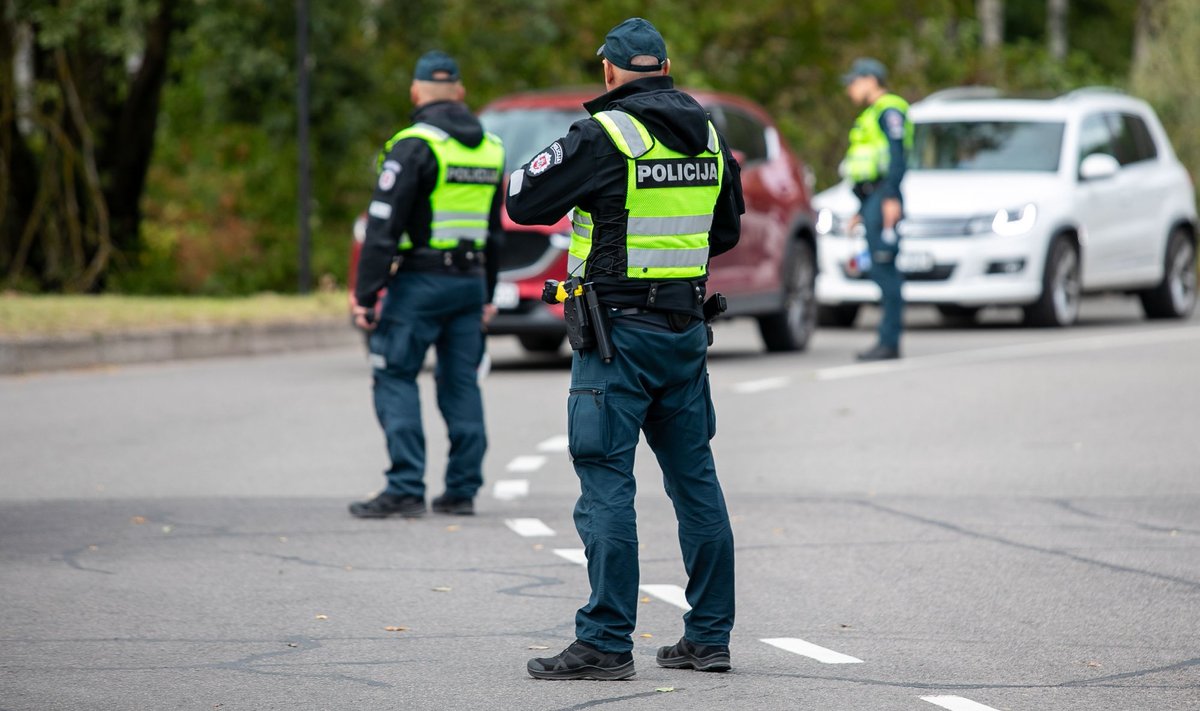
451 260
668 320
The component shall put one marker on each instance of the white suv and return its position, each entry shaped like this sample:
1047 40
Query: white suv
1028 203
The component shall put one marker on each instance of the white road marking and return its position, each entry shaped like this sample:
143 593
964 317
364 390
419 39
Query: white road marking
1014 352
812 651
526 463
668 593
575 555
758 386
956 703
529 527
557 443
510 489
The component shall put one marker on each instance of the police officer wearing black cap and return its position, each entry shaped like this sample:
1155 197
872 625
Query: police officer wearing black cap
433 220
654 192
875 163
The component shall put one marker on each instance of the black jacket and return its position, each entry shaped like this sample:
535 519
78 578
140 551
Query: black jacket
401 200
585 169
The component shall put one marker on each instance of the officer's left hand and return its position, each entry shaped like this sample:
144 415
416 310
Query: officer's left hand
891 212
489 312
361 316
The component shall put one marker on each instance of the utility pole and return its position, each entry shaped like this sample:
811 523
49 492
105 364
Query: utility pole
304 185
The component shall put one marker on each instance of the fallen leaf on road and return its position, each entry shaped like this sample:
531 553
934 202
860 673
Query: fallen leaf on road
1094 665
394 628
453 527
293 644
93 548
167 529
322 617
645 635
665 689
283 539
645 599
538 646
441 588
538 546
845 626
138 520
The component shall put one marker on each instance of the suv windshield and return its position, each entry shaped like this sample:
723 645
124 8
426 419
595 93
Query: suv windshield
525 131
987 145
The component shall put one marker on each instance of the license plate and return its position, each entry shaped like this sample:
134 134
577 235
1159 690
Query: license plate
914 261
506 295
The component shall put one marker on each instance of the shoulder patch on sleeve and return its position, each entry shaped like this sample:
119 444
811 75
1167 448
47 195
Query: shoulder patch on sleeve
540 163
895 123
387 180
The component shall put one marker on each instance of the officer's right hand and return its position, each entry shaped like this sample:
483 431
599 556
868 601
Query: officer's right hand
364 317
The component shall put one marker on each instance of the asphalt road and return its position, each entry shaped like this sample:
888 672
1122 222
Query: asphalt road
1006 519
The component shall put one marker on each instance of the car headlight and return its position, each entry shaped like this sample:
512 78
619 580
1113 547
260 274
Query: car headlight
1010 223
829 223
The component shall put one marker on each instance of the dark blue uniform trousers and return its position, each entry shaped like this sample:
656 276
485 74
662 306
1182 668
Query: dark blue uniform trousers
423 309
657 383
883 271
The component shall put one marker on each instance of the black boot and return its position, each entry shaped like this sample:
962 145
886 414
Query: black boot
685 655
880 352
582 661
453 505
386 505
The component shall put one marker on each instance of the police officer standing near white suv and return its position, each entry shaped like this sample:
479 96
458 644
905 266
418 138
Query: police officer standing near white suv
875 162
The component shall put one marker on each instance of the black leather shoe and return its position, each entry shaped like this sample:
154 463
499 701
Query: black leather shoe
447 504
880 353
685 655
582 661
386 505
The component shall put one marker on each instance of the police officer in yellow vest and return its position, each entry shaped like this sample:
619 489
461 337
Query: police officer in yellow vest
433 220
655 192
875 163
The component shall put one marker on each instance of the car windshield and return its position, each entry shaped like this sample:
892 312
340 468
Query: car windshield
525 131
987 145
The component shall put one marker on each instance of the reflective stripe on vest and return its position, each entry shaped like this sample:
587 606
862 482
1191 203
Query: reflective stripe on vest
669 199
868 157
466 185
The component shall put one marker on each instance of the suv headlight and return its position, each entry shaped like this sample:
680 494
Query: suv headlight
1011 223
828 223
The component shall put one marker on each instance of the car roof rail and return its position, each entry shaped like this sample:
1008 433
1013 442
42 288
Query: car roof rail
965 93
1092 91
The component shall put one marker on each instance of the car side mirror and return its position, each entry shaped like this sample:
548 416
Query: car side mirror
1098 166
739 156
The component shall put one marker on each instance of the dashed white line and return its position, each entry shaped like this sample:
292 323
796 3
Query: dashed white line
529 527
526 463
668 593
557 443
575 555
956 703
758 386
812 651
510 489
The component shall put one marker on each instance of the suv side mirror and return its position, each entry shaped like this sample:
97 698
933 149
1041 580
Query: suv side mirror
1098 166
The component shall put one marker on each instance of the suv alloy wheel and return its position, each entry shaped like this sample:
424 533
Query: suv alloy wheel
790 328
1061 288
1175 297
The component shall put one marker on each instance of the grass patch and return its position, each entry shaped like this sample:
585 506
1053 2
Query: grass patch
29 315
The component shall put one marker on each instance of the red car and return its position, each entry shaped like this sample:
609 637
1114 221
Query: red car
769 276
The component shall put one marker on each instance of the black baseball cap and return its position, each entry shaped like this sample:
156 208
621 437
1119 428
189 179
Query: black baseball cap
432 63
865 67
634 37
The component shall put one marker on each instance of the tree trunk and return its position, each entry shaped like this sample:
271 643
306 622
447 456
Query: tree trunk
1056 28
991 22
1145 30
130 142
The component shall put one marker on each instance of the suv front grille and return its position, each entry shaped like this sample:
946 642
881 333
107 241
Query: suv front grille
522 249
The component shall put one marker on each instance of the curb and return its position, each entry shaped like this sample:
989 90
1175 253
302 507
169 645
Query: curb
88 350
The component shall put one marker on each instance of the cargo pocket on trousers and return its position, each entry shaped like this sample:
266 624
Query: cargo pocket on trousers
712 410
587 421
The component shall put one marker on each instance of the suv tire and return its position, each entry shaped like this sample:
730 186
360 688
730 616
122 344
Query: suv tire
792 327
541 342
1175 296
840 316
1062 287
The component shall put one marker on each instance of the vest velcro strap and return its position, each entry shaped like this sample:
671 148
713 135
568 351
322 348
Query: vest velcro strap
639 258
634 142
683 225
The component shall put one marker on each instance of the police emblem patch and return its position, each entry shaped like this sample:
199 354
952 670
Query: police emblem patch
540 163
895 124
387 180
